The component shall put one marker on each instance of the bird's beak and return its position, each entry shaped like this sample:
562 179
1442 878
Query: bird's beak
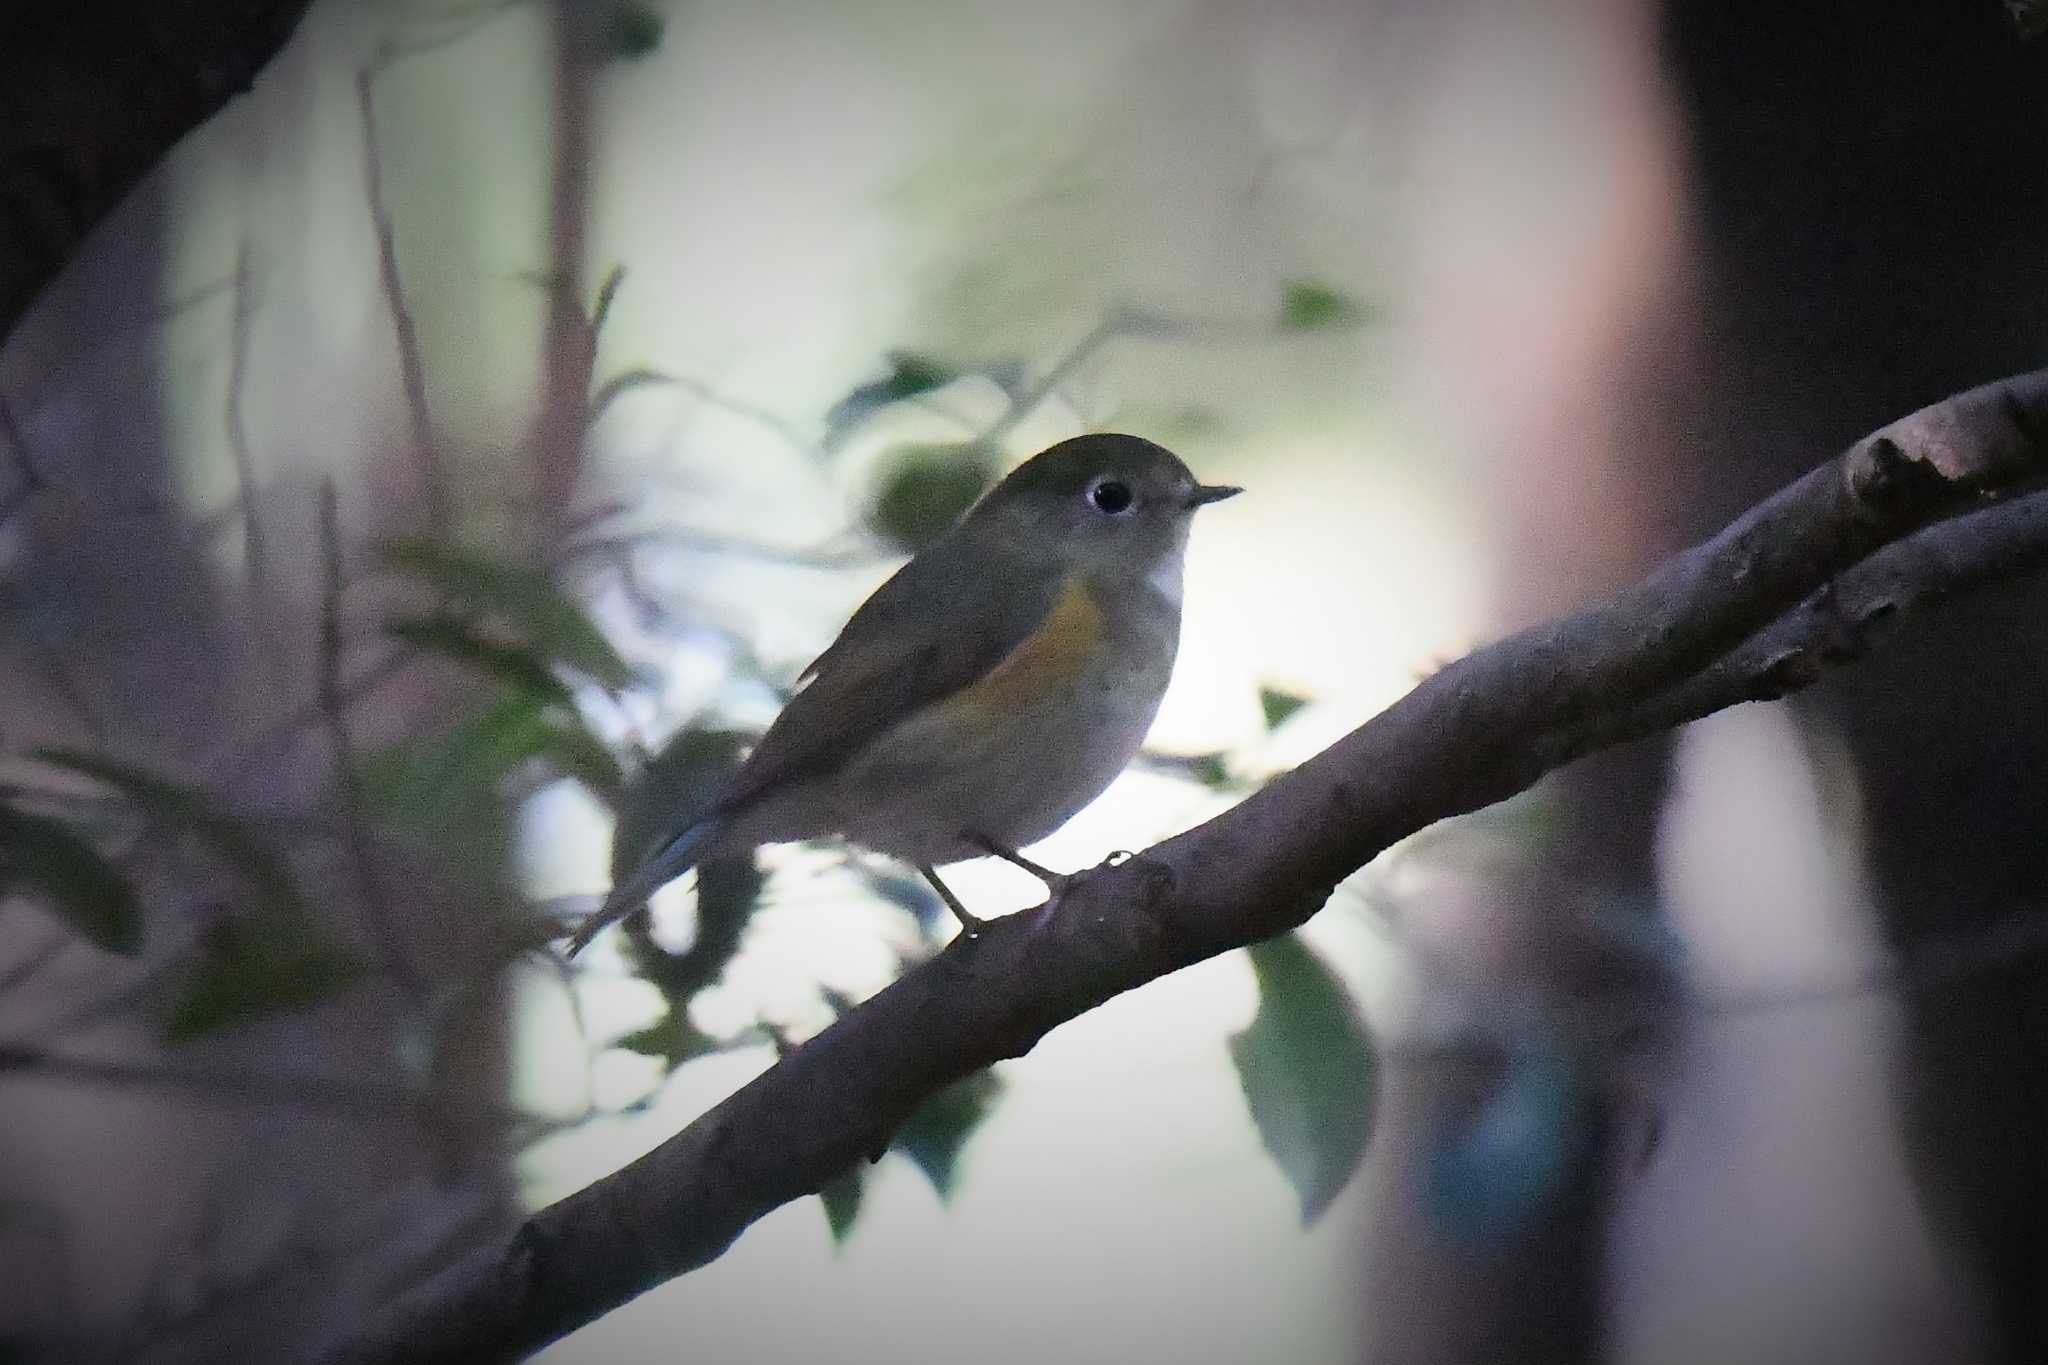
1206 493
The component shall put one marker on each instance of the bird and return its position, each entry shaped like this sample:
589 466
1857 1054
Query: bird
998 682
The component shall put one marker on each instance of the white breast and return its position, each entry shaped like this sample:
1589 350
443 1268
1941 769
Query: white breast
1165 579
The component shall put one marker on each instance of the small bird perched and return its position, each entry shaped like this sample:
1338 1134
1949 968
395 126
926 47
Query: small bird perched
996 684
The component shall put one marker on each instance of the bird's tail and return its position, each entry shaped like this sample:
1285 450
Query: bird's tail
657 870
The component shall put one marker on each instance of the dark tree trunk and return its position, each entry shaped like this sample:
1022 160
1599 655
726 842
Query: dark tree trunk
1873 185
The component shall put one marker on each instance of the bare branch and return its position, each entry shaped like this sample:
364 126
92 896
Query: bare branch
232 417
383 919
569 335
1049 383
1473 734
411 368
266 1087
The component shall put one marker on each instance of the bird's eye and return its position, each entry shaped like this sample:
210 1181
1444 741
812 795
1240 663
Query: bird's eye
1110 495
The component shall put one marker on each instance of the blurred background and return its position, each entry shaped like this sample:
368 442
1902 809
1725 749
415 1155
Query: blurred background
447 459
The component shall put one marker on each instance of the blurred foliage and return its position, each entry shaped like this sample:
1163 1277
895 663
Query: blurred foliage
924 489
272 953
932 1138
936 1133
1514 830
912 894
670 1040
1307 306
1500 1171
1307 1067
524 600
629 29
666 797
910 374
191 811
516 627
444 788
623 383
842 1198
518 666
1211 770
1278 707
255 965
46 859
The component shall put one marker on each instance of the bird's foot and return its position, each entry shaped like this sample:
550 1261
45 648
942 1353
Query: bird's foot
1057 884
971 925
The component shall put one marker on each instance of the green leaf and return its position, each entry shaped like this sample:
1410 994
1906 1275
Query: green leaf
524 598
1495 1175
665 797
1212 769
418 783
671 1039
1306 1065
669 792
1278 706
841 1198
910 374
934 1135
573 751
1306 306
194 812
48 859
517 665
624 383
924 489
630 30
607 294
255 966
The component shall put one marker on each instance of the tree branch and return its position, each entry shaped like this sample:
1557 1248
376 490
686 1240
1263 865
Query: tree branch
412 370
1700 633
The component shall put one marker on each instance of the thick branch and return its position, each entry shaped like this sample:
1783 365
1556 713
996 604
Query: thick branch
1700 633
93 94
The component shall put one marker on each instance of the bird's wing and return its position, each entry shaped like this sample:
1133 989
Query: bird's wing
934 631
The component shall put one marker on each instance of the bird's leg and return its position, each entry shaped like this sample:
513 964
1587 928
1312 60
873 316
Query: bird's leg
1056 883
970 924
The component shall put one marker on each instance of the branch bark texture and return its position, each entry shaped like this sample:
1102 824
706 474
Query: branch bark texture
1932 505
94 93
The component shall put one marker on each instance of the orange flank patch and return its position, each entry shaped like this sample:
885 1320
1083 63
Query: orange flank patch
1048 660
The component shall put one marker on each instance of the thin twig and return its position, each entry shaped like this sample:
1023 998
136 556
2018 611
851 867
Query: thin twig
1021 408
48 649
712 396
31 478
411 367
233 416
26 968
381 915
28 479
311 1090
825 555
134 987
235 763
1120 323
569 335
